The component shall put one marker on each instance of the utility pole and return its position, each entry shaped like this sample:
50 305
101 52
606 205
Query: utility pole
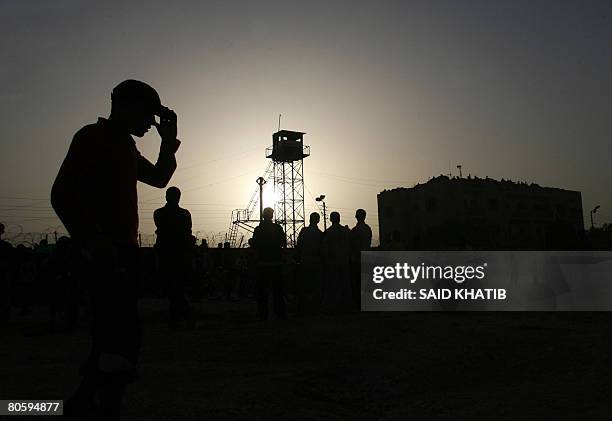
324 218
321 198
260 182
592 212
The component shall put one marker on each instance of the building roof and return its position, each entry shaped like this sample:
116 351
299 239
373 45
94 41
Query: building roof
289 133
474 181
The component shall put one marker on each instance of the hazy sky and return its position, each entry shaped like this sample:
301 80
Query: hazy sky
390 94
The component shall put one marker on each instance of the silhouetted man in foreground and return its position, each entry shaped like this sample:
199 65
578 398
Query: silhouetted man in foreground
269 241
95 197
308 250
173 247
361 240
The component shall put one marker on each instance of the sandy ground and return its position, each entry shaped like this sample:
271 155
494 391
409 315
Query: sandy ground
371 366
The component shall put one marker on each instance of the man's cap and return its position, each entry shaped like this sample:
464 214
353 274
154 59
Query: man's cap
136 92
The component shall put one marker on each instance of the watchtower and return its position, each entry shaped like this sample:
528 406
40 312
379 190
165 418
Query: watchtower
287 154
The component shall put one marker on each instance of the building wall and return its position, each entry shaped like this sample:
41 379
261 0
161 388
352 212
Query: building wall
462 213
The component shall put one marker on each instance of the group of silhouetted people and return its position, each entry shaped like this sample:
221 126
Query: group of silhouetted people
95 197
42 275
330 264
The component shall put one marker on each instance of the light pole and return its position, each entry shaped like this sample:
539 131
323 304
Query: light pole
322 200
592 212
260 182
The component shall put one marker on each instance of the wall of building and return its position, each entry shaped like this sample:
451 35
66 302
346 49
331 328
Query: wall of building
463 213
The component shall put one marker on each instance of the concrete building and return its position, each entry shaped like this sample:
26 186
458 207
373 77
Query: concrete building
474 213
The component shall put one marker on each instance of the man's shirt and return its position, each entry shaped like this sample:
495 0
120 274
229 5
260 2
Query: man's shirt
361 238
95 190
309 242
336 244
269 240
173 227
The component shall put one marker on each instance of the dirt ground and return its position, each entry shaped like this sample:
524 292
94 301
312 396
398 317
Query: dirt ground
371 366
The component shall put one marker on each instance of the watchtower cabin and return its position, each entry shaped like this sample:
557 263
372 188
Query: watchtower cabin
287 146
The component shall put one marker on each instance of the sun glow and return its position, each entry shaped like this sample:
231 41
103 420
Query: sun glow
270 197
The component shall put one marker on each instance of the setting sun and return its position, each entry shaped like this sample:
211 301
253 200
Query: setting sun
270 197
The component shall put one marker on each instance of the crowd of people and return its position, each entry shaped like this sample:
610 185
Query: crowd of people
319 275
101 266
42 276
322 272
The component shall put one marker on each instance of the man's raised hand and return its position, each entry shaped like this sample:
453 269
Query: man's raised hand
167 124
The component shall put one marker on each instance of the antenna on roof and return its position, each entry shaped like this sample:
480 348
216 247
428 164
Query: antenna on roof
279 118
460 174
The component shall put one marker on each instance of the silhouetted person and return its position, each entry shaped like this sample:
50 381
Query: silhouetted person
5 246
228 273
203 267
269 241
6 262
2 228
23 276
62 286
95 197
336 251
309 253
251 270
173 245
361 240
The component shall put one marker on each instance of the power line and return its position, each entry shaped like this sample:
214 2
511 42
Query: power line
22 198
368 180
